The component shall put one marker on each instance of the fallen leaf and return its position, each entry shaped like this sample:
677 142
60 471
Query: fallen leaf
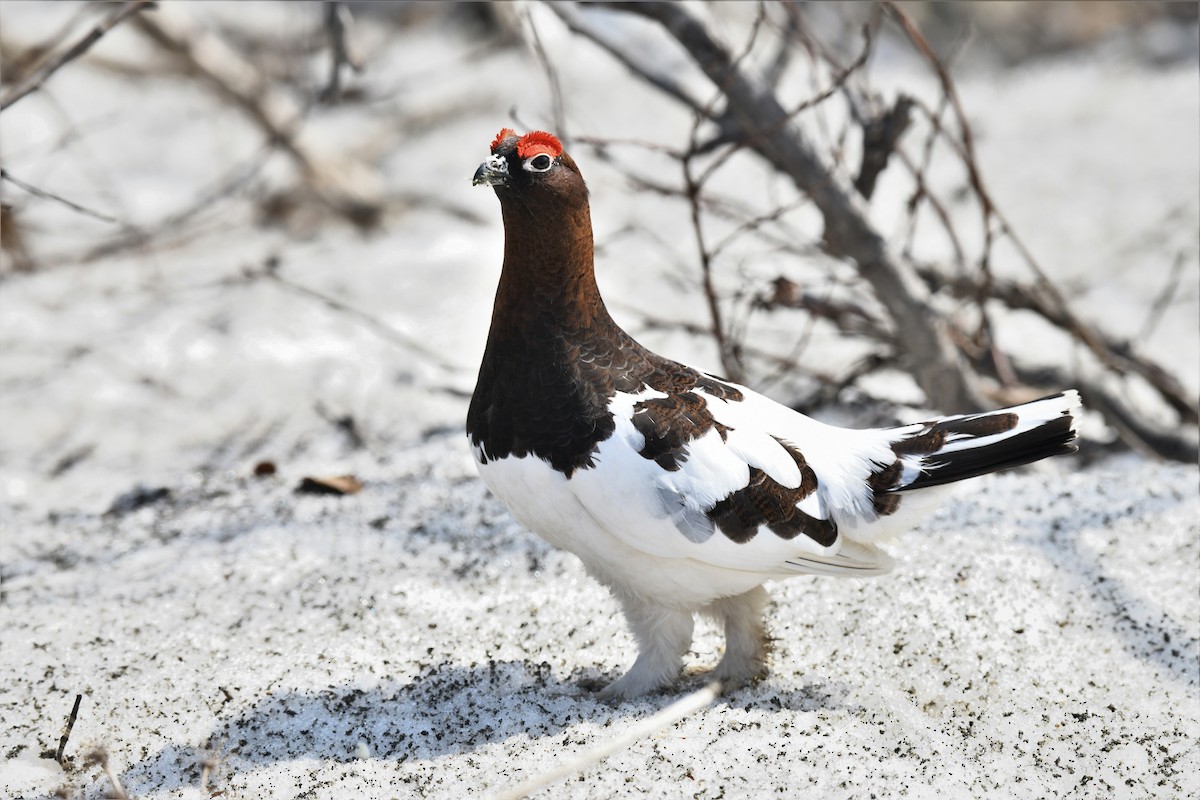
339 484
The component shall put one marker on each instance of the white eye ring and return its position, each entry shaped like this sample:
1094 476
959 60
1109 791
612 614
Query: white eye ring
539 163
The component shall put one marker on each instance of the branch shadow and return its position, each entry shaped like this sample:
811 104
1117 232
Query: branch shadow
1146 632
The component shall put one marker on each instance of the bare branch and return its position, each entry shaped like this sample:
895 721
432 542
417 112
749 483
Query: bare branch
1120 356
1133 429
659 80
348 186
849 317
42 193
35 81
937 366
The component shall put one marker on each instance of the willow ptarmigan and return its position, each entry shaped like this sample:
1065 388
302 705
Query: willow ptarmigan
680 491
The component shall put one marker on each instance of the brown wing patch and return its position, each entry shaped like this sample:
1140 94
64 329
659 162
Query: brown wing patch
881 482
670 423
766 502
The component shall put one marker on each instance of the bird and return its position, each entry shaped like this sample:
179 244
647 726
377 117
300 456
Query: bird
682 492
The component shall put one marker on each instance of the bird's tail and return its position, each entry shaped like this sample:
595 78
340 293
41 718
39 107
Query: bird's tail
955 448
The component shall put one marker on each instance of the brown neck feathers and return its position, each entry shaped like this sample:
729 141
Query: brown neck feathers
548 278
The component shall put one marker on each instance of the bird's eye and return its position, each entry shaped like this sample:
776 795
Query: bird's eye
539 163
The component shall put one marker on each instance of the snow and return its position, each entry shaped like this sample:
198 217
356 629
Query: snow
1039 637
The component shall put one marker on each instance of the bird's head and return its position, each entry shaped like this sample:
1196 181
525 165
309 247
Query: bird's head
531 169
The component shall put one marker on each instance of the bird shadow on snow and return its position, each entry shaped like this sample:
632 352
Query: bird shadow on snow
448 709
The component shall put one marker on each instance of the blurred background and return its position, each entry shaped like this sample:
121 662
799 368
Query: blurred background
241 234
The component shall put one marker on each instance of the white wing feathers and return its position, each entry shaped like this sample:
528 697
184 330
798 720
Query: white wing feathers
665 513
870 484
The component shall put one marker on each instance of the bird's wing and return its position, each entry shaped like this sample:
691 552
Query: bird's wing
736 481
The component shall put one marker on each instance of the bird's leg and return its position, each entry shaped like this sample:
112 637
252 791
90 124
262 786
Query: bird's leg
746 639
663 635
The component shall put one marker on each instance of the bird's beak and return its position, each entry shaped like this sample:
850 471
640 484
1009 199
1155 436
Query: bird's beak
493 172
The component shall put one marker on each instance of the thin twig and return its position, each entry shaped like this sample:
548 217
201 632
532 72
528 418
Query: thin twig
35 80
1163 300
62 742
921 192
655 722
576 23
270 271
729 364
45 195
207 199
1120 355
556 95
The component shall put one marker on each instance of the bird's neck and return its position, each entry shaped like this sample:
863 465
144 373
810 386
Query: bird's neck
548 281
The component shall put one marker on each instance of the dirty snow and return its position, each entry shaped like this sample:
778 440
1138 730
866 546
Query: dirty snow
1039 638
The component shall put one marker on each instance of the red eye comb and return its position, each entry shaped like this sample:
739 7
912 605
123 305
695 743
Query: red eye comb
536 142
501 136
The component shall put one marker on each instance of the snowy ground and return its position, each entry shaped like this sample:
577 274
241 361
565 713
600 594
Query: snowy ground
1040 636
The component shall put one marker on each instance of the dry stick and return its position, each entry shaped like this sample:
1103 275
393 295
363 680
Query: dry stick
42 193
652 724
814 47
652 322
836 85
778 65
881 134
937 365
754 224
922 192
62 742
1133 428
207 767
35 81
